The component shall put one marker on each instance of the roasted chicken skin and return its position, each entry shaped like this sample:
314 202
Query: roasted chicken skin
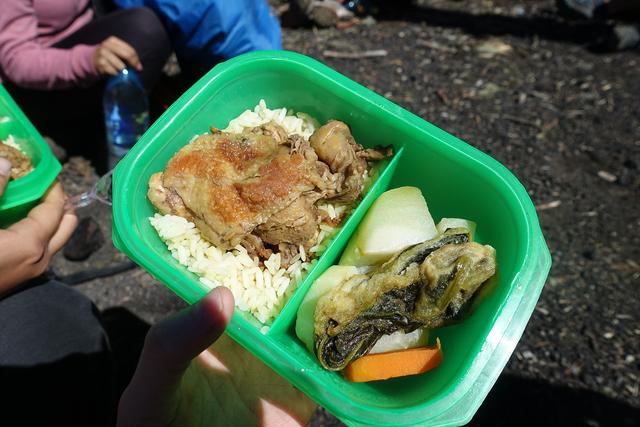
260 188
20 162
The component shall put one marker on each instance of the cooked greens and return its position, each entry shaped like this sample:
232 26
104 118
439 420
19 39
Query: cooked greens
424 286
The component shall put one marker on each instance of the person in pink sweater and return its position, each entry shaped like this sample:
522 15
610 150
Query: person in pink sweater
55 55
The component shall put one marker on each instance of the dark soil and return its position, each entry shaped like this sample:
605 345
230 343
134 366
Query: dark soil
566 121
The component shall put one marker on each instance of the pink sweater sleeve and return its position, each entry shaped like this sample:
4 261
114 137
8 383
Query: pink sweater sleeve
27 63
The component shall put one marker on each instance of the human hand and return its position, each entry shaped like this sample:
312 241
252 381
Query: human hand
5 172
181 382
110 57
26 247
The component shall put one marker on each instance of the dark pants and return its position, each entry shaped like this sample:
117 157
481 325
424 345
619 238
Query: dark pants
73 117
56 367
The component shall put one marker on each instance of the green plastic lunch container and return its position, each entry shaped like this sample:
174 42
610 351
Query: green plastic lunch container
22 194
456 179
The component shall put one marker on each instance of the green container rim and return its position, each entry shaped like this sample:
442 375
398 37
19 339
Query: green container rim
463 397
32 186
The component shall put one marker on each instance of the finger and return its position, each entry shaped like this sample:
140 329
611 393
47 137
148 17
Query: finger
43 221
107 68
5 171
65 230
102 64
112 59
172 344
168 349
125 51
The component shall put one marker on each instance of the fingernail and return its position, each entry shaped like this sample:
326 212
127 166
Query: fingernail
5 166
219 301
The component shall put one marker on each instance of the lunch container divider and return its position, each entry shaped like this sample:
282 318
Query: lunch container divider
456 179
22 194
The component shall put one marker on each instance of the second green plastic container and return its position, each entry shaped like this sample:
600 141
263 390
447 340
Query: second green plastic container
457 181
22 194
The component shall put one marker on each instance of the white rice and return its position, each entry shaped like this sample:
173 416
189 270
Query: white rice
300 124
11 142
260 290
334 211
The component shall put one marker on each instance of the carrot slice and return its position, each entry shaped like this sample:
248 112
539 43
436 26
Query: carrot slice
401 363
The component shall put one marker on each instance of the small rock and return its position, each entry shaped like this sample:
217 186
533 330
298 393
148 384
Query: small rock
607 176
522 97
550 205
574 370
543 311
489 90
608 335
492 47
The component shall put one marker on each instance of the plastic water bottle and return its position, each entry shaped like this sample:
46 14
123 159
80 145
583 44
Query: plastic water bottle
126 113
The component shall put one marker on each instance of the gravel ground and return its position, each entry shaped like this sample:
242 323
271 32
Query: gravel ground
525 87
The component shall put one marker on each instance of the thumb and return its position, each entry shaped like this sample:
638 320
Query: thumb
5 171
173 342
169 347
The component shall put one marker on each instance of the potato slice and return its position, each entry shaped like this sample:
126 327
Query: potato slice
399 218
401 341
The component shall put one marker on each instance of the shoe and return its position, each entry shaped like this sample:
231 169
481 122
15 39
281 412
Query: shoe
328 13
626 36
578 8
616 38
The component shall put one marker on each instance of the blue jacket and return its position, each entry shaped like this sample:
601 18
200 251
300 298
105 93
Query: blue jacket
209 31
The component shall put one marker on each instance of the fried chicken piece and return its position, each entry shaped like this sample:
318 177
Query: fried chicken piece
255 246
347 159
271 129
335 146
20 162
166 200
287 252
260 188
231 183
296 224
